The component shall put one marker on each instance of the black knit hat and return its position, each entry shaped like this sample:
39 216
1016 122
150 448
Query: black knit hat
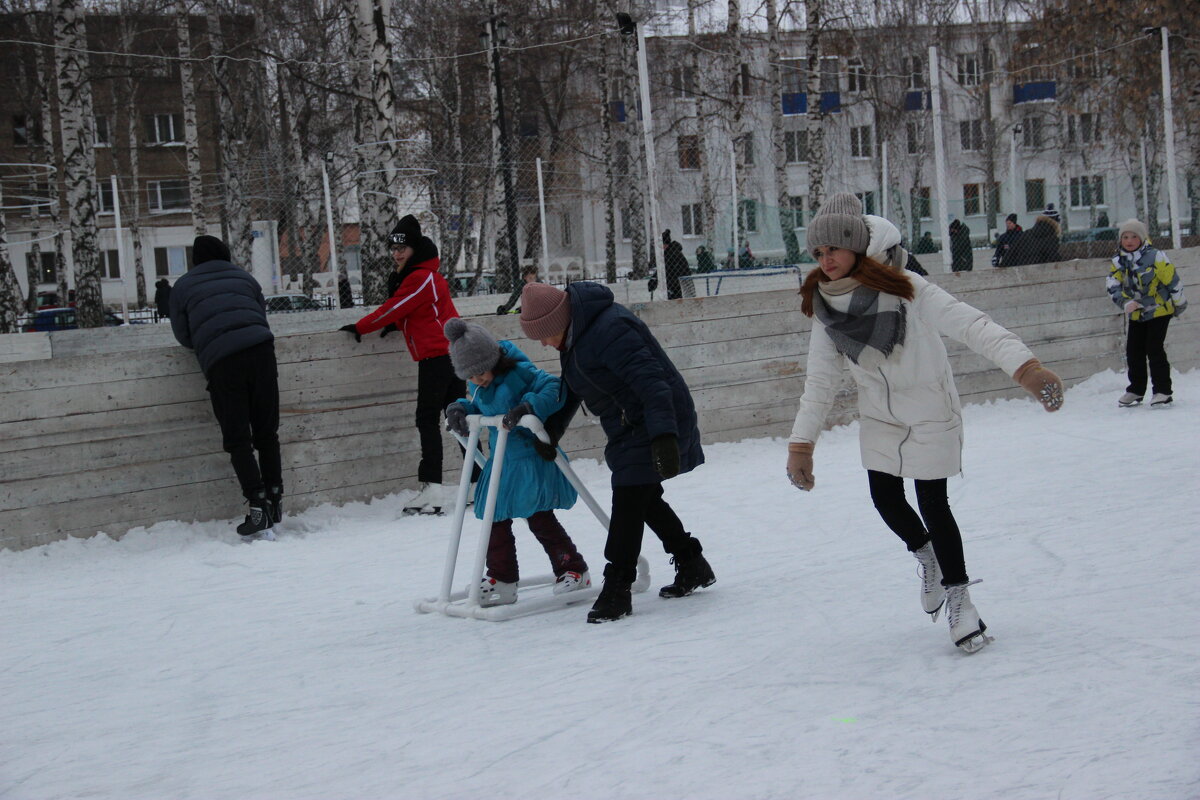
407 232
1012 218
209 248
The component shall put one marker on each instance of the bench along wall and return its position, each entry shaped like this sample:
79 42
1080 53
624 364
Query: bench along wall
115 431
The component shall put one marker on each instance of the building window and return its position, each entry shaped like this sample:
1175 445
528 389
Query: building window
164 128
110 265
693 224
106 197
1031 133
922 206
748 216
627 224
868 201
860 142
795 209
976 201
1035 194
916 138
172 260
46 273
791 75
689 152
743 85
795 146
565 229
746 146
683 82
856 76
829 74
102 133
970 134
916 72
163 196
33 200
1083 129
970 69
1087 191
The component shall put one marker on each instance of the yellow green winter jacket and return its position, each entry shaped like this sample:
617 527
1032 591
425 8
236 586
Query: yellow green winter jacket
1147 277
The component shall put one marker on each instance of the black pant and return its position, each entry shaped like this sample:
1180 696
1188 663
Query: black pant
244 389
633 508
1147 340
437 387
939 527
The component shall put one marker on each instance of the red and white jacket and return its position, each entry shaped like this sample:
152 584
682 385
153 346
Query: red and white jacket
419 308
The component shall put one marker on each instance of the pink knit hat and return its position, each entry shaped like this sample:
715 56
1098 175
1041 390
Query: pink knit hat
545 310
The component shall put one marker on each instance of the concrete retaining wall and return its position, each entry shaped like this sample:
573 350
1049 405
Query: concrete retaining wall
115 431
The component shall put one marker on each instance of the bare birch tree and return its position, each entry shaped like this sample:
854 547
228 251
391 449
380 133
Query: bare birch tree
79 157
191 134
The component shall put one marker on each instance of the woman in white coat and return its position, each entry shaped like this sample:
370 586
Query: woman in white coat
888 325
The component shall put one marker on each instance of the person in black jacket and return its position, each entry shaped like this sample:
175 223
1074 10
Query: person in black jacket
1038 245
612 362
162 297
962 258
676 265
218 310
1006 240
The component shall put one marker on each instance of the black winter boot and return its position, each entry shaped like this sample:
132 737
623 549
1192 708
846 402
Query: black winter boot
258 521
615 600
275 503
692 572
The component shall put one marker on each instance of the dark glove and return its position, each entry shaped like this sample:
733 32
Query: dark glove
665 452
513 417
652 284
391 326
456 419
352 329
545 450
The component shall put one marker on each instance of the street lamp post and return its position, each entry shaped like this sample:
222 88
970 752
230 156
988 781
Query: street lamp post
495 34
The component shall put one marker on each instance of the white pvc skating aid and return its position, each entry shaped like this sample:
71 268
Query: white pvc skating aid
535 595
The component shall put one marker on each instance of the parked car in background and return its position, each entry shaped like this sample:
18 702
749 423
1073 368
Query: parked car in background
63 319
284 303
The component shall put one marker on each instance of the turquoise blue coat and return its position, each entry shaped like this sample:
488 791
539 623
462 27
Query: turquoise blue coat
529 483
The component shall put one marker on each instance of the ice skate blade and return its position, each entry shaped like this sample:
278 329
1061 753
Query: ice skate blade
598 620
933 615
974 644
424 511
261 536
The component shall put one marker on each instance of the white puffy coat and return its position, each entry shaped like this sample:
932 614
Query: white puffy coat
909 411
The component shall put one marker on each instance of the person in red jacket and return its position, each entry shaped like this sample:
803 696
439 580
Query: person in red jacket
419 307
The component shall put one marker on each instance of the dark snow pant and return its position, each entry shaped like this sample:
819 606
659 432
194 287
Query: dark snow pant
1147 340
244 389
545 527
633 508
939 527
437 387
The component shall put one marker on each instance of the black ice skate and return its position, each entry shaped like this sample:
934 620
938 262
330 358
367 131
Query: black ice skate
691 573
615 599
258 522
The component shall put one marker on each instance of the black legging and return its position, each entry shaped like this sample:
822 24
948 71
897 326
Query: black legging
633 509
939 527
437 387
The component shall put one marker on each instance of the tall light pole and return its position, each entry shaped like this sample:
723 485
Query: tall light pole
1169 135
493 36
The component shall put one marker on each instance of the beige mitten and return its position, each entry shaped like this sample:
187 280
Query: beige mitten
800 465
1040 382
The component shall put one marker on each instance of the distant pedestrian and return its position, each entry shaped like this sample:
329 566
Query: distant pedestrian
345 292
676 266
162 297
1012 232
962 257
1038 245
925 244
1144 284
704 260
218 310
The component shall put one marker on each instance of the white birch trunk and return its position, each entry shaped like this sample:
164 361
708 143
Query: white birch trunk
230 143
79 157
816 117
787 225
48 154
708 206
608 151
132 212
10 289
191 136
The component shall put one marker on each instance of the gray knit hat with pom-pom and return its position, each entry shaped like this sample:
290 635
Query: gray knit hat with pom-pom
839 223
473 350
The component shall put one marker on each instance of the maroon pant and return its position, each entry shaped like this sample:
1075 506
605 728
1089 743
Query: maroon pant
502 547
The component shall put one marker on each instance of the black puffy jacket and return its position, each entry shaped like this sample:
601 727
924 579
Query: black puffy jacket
218 309
615 366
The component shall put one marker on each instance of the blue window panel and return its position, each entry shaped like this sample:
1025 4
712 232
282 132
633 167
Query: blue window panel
618 111
917 100
1031 92
831 102
795 103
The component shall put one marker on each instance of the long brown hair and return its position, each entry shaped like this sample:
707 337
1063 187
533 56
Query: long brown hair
869 273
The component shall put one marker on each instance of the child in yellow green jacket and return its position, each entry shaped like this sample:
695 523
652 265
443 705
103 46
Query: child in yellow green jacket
1144 284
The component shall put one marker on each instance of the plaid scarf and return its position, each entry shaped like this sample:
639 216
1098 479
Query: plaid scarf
873 319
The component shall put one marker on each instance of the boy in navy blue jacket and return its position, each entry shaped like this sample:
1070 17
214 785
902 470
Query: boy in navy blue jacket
612 363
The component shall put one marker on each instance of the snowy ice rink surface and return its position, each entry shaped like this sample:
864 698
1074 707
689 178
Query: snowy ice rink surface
180 663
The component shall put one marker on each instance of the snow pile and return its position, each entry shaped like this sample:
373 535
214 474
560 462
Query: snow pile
179 662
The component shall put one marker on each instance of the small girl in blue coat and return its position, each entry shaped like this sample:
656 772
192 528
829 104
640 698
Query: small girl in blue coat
502 380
